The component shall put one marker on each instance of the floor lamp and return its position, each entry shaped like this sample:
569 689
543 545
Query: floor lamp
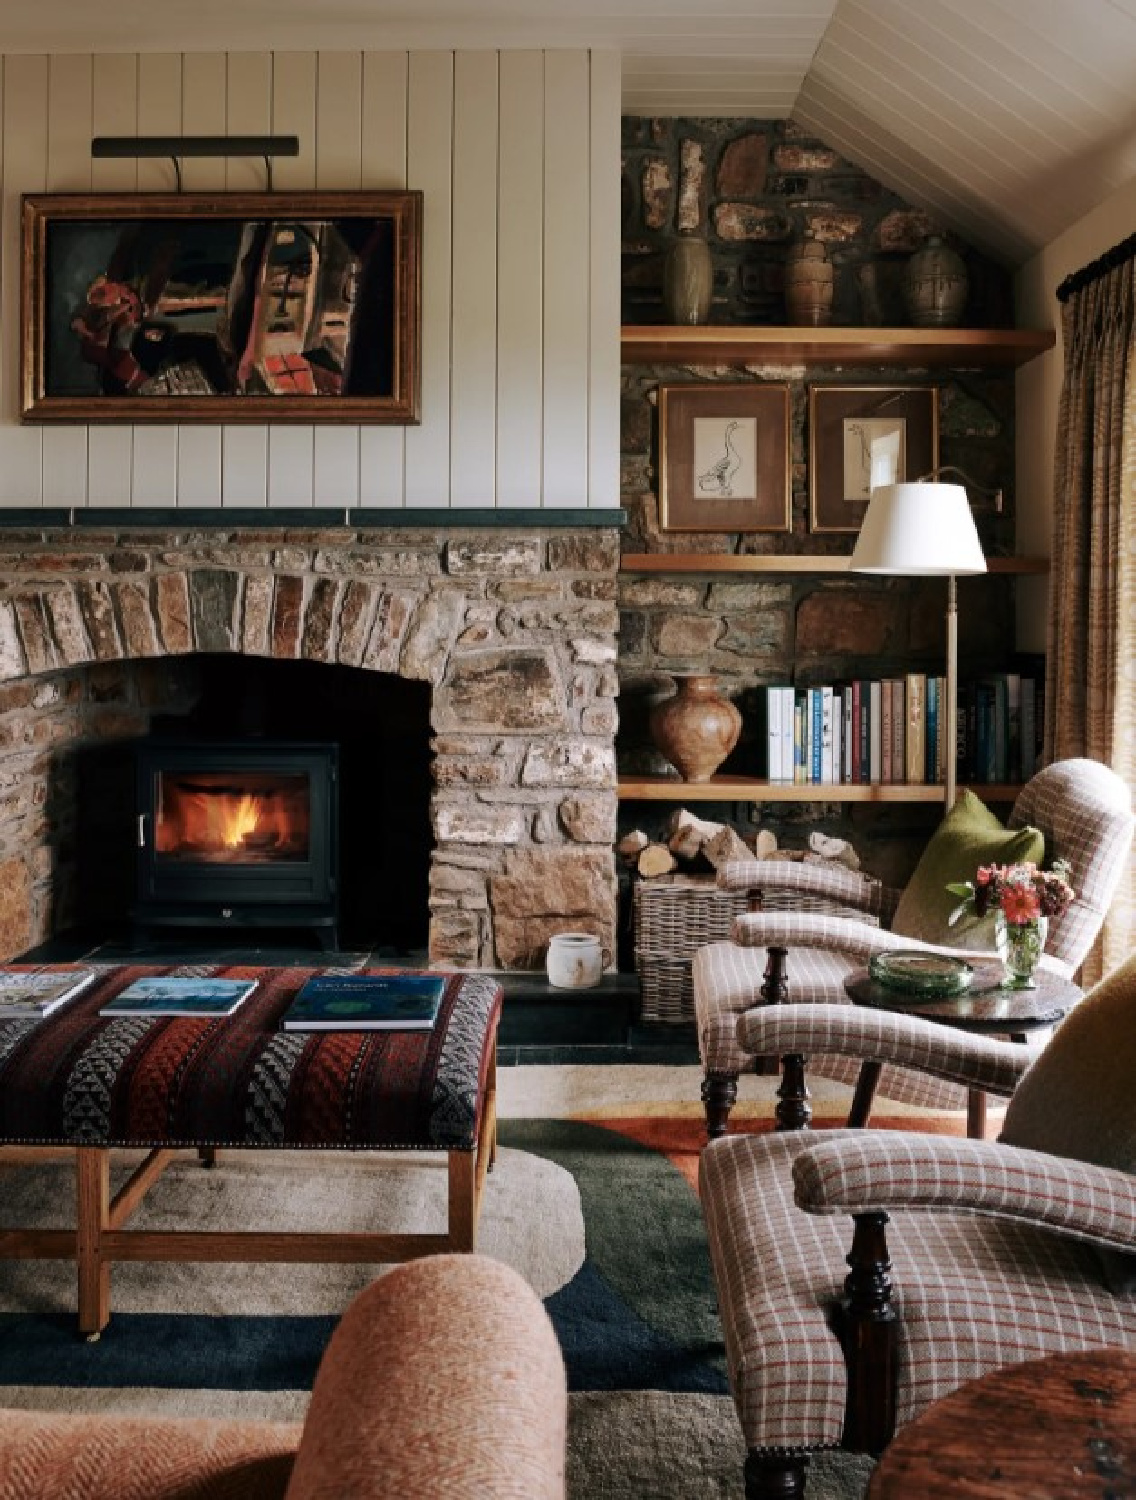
925 529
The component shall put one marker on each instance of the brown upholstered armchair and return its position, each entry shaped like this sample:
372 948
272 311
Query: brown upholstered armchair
1084 811
444 1377
966 1256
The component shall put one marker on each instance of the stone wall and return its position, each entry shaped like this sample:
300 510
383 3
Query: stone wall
752 187
514 630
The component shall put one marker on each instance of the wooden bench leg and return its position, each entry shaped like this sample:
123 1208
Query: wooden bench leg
463 1199
92 1172
489 1107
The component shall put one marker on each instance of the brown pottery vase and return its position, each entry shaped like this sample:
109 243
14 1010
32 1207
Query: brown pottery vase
808 284
935 285
697 728
688 281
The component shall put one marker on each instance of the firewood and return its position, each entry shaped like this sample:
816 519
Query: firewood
838 850
765 843
631 845
656 859
725 846
686 833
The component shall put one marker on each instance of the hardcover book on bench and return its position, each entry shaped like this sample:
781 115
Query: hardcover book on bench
38 992
178 995
366 1002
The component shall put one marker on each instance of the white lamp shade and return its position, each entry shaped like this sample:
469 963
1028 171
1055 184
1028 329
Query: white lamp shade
919 528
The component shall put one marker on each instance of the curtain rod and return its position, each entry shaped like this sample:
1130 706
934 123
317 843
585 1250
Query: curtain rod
1126 250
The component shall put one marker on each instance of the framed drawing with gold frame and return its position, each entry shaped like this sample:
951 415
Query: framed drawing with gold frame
724 457
861 436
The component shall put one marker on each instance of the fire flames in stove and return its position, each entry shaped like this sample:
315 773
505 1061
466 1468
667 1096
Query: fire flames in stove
243 818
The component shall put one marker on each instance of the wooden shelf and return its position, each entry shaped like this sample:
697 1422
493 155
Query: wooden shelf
723 562
754 789
733 345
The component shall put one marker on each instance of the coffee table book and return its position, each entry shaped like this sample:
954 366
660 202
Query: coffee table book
174 995
38 992
366 1002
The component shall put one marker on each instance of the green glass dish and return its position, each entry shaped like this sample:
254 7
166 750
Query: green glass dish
930 974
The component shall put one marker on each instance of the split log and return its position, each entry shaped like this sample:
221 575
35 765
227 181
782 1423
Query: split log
686 834
726 845
656 859
765 843
631 845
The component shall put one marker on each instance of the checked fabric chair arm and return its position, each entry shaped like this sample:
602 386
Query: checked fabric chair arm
847 935
876 1172
977 1062
830 882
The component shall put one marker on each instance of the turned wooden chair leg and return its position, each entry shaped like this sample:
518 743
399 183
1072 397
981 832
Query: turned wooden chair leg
719 1095
869 1335
864 1096
769 1477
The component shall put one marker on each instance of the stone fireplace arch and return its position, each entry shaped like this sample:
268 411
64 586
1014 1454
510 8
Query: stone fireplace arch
514 630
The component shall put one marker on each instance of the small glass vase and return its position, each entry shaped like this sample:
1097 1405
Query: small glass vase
1020 946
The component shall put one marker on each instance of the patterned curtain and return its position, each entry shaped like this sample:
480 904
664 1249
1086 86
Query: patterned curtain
1091 667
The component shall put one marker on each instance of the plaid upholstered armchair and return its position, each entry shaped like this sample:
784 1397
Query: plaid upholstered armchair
966 1256
1084 812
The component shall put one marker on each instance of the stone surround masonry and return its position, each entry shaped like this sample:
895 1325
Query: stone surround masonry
514 630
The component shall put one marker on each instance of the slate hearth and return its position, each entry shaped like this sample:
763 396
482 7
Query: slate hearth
512 631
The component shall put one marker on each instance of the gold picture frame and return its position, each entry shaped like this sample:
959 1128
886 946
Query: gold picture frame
232 307
865 435
724 457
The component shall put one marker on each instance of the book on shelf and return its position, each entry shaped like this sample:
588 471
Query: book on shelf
875 732
28 993
774 767
931 770
366 1002
179 995
915 703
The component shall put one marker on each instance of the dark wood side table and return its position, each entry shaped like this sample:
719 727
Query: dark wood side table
984 1008
1063 1426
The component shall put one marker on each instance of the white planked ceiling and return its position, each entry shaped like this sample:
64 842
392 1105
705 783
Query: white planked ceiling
1008 119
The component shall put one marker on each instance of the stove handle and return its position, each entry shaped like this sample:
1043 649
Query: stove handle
141 830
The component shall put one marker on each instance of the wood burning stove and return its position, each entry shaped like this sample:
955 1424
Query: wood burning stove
241 834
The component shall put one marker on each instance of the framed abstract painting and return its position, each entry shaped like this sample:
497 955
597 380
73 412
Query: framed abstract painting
221 307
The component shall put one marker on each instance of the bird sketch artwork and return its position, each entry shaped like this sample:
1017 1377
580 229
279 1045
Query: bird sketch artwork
874 454
725 458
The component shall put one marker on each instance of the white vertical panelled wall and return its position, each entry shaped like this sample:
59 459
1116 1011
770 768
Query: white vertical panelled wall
517 156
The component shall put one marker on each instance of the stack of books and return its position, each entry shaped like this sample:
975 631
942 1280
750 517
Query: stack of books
1000 726
893 730
860 732
30 993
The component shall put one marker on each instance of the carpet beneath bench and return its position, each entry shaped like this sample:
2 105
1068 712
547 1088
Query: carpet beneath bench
600 1215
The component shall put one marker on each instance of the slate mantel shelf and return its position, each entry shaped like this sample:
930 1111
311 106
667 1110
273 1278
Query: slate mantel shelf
323 518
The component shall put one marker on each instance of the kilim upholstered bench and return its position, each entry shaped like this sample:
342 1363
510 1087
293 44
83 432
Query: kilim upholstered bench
89 1084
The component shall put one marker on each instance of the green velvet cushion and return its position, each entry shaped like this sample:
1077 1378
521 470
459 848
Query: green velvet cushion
970 835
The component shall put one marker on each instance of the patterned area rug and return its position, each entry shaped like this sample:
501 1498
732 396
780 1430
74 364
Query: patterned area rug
600 1214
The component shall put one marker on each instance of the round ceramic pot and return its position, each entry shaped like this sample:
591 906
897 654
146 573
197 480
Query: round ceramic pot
575 960
935 285
808 284
697 728
1020 946
688 280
